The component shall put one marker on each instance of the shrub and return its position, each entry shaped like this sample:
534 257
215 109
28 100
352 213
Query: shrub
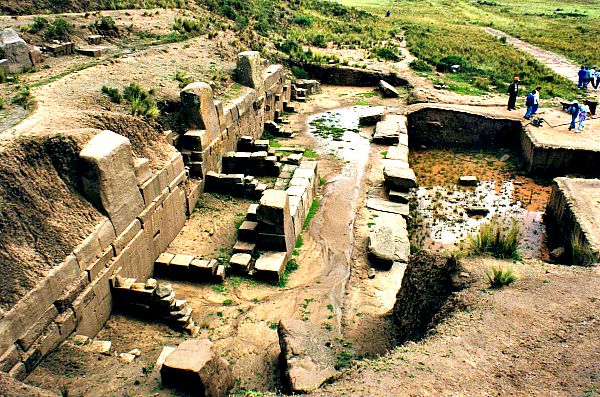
483 83
501 276
23 98
387 53
106 26
141 101
319 41
299 72
498 239
445 64
303 20
420 66
39 24
288 46
186 25
113 94
1 103
59 29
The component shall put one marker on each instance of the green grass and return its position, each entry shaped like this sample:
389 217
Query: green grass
311 213
499 277
290 267
499 239
582 254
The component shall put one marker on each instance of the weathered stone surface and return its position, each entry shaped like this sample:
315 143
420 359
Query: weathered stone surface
93 51
468 180
11 387
244 247
309 362
379 204
249 70
399 197
109 178
14 50
381 246
399 152
387 132
194 366
388 90
399 178
100 347
371 116
199 110
270 265
240 262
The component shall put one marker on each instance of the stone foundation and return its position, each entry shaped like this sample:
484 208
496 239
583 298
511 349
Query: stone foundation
145 212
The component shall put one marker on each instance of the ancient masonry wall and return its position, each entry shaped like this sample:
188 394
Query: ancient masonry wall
436 126
555 160
569 222
145 212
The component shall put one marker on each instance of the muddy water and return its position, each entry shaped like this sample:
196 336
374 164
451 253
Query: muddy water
332 228
443 211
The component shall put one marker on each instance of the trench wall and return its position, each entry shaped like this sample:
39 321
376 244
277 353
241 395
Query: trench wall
349 76
75 296
436 126
556 160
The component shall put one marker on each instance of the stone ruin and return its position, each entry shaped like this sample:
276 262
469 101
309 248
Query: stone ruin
15 54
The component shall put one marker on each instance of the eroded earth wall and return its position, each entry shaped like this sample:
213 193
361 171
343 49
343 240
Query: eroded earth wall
144 210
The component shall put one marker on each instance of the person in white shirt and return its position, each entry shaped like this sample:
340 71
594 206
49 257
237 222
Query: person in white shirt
536 100
585 109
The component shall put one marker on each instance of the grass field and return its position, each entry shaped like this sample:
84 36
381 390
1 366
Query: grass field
440 28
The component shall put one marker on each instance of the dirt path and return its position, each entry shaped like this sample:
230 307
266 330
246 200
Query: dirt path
560 65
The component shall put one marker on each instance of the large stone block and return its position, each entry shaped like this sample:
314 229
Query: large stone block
399 178
194 366
199 110
308 361
109 178
249 70
14 50
270 265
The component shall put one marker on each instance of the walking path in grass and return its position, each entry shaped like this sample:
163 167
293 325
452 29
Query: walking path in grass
557 63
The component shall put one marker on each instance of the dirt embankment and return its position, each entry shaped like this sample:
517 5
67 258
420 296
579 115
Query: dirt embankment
22 7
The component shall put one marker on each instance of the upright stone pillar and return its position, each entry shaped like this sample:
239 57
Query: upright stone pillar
109 178
249 71
199 109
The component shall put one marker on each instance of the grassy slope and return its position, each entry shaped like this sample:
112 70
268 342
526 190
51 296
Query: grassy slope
438 28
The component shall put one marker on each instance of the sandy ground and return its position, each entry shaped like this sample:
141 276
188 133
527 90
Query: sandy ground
538 337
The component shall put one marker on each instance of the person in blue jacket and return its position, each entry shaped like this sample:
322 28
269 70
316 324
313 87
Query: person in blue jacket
582 76
530 103
574 110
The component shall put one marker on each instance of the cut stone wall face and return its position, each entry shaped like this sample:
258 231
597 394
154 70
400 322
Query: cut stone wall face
109 179
199 109
249 70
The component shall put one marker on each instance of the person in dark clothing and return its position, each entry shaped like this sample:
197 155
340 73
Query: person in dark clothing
530 103
574 110
388 14
513 92
582 77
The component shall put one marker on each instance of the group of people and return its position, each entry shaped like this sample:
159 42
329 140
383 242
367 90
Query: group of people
588 76
579 112
532 101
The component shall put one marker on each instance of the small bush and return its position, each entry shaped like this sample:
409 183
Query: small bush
483 83
319 41
420 66
59 29
445 64
105 25
501 276
141 101
303 20
23 98
113 94
497 239
299 72
39 24
186 25
1 103
386 53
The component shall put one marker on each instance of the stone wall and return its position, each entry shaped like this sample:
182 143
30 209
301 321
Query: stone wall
557 160
145 212
348 76
435 126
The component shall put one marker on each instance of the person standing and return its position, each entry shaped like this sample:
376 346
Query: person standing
585 109
573 110
596 84
536 100
582 73
529 101
513 92
588 77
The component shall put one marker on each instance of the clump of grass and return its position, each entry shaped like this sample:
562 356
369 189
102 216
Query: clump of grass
582 254
498 239
142 103
501 276
186 25
183 78
113 94
290 267
23 98
39 24
311 213
419 65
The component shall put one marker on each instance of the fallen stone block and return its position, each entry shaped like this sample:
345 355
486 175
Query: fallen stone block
195 367
388 90
202 269
309 362
379 204
399 178
251 213
244 247
99 347
371 116
199 109
93 51
249 70
270 265
398 153
240 262
399 197
247 231
161 264
381 247
468 180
